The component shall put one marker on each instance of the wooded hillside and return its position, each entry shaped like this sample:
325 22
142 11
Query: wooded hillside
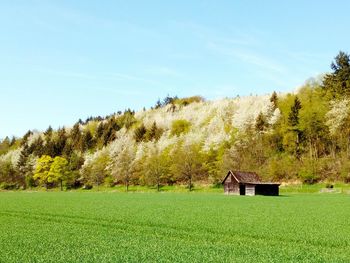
304 135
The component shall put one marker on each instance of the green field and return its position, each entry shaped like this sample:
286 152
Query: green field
173 227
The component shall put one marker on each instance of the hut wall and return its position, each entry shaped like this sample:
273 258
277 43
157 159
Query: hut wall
267 189
231 186
250 189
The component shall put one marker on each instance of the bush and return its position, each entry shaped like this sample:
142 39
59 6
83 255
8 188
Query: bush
87 187
110 181
9 186
180 126
189 100
308 177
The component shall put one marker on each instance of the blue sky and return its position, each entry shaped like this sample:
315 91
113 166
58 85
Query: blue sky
65 60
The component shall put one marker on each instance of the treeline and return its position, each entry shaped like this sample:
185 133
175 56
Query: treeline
303 136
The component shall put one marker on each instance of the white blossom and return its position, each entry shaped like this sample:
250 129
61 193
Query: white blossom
337 114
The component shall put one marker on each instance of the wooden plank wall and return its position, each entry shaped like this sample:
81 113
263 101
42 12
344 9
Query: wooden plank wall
249 189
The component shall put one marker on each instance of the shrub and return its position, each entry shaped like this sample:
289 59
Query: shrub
189 100
180 126
87 187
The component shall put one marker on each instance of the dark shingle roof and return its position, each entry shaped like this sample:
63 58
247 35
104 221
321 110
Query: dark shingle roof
246 177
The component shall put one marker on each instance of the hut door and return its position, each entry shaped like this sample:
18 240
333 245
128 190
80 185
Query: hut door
242 189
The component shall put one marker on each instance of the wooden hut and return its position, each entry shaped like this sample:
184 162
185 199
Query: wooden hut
247 183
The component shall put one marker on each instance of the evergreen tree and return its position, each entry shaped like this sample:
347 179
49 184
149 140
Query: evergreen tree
60 142
87 141
338 82
37 147
261 123
140 133
274 100
295 132
26 137
293 118
154 133
48 132
75 136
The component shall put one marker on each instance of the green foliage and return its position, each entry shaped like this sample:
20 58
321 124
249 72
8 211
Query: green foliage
274 100
51 170
95 172
42 170
154 133
59 171
140 133
5 145
293 117
187 101
157 169
338 82
261 123
187 163
304 136
179 127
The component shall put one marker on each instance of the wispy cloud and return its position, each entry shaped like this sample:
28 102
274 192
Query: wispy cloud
208 34
111 76
164 71
248 56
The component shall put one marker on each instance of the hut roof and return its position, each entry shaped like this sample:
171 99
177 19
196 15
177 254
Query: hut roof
244 177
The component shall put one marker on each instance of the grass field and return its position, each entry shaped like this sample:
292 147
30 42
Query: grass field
173 227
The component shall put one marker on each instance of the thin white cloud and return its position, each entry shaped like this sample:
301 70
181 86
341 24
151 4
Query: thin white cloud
115 76
248 56
164 71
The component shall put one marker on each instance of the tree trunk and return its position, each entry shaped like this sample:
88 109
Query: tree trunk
190 185
158 186
61 185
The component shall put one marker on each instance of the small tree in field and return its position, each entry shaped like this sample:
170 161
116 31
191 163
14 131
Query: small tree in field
188 163
95 170
156 167
123 164
42 170
49 170
59 171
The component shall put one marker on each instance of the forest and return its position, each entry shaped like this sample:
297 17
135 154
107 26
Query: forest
302 136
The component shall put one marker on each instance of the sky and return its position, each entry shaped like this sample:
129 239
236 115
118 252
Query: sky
69 59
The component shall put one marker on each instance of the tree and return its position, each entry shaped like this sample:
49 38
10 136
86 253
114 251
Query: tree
59 171
338 82
75 136
23 169
293 117
261 123
37 147
179 127
26 137
87 141
156 167
274 100
140 133
60 142
42 170
8 175
154 133
294 130
122 166
187 163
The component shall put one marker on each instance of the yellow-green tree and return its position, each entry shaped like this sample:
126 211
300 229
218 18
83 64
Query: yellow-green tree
59 171
49 170
42 170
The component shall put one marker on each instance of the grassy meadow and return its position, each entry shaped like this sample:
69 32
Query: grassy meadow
173 227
